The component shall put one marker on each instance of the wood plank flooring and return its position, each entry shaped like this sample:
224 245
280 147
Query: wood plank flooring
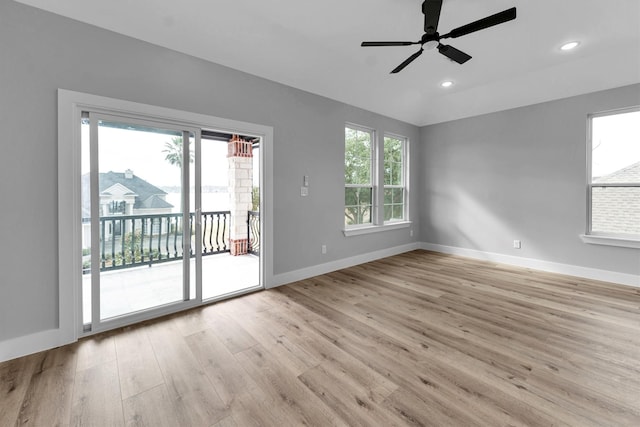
418 339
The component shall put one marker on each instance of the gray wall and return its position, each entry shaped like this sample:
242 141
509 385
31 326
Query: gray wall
518 174
41 52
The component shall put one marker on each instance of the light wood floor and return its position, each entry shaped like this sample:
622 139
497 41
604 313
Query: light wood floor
416 339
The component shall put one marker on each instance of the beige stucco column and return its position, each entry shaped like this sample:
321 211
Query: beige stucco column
240 156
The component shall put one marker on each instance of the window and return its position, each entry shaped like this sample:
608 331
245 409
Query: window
614 177
394 194
375 181
358 192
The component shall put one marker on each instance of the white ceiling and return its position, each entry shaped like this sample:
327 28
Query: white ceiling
315 46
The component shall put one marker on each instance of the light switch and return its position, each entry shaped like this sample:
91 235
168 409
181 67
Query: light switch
305 180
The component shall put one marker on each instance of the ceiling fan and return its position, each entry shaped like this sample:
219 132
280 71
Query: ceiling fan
431 38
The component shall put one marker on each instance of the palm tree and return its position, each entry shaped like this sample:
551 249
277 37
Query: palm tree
174 152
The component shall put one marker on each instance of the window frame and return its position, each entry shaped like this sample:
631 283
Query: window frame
371 185
377 223
403 151
596 237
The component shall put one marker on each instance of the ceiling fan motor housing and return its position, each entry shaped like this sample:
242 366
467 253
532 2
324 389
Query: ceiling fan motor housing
430 41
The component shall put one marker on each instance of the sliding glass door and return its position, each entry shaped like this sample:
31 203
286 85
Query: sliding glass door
230 203
170 218
137 223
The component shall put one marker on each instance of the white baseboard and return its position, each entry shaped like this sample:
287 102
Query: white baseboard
317 270
33 343
536 264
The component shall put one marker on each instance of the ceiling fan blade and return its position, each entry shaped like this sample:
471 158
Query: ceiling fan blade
407 61
371 44
431 10
481 24
454 54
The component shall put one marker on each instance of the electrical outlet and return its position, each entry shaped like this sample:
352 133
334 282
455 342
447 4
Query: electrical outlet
410 233
517 244
304 191
324 249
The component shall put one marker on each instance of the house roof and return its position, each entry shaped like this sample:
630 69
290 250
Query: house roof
147 195
138 186
154 202
617 209
630 173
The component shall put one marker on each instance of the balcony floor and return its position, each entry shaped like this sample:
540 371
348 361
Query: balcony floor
139 288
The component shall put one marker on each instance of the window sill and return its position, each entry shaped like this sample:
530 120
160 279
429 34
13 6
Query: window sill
610 241
357 231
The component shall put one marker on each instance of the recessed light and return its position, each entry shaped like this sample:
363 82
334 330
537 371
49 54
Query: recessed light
569 46
447 83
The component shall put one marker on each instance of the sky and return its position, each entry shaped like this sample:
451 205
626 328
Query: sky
616 142
142 152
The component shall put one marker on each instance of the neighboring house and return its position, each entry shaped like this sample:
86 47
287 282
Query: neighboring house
607 202
122 193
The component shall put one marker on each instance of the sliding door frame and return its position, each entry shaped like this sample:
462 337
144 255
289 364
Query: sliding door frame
71 105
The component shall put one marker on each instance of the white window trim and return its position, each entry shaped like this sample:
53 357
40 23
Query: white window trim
607 239
594 239
394 225
378 224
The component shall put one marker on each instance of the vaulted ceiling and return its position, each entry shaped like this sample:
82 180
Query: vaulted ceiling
315 46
